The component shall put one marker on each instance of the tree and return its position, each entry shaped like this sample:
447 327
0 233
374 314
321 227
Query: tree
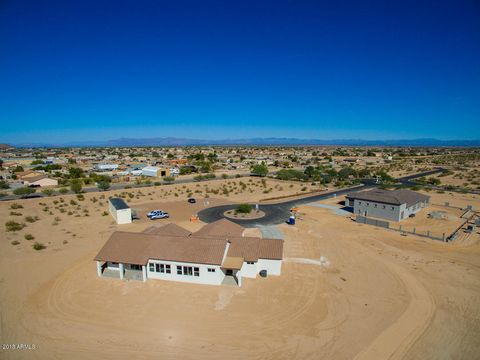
18 168
1 164
75 173
259 170
103 185
309 171
76 186
24 191
170 156
4 184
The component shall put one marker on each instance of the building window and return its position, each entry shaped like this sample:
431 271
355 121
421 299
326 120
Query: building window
135 267
196 271
179 270
187 270
393 208
359 203
168 269
250 262
375 205
211 270
384 207
162 268
152 267
368 204
157 267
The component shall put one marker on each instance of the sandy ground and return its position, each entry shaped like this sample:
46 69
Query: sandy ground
346 291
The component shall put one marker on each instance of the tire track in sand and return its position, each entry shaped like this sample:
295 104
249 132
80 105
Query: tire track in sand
395 341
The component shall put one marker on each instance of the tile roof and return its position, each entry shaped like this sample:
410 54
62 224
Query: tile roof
174 243
394 197
167 229
222 227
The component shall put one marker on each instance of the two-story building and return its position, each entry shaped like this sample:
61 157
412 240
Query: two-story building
393 205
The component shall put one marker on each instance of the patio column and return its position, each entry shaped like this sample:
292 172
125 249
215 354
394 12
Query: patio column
239 278
144 272
99 268
122 270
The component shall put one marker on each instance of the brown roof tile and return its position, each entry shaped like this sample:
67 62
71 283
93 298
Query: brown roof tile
222 227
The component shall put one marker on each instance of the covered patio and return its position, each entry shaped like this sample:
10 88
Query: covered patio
231 268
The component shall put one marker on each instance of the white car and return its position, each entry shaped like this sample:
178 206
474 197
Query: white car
154 212
159 215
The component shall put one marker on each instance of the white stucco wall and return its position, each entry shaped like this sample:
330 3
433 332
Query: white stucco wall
206 277
124 216
249 270
273 267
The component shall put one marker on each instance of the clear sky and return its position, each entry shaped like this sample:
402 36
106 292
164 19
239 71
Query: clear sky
93 70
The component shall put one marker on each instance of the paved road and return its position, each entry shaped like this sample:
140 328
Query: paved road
278 213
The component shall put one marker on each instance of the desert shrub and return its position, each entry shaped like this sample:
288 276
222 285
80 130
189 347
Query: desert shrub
16 206
48 192
73 202
15 242
13 213
31 219
224 176
105 213
80 197
29 237
38 246
24 191
13 226
243 209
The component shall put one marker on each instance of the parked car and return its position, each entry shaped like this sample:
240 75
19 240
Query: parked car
153 212
159 215
192 200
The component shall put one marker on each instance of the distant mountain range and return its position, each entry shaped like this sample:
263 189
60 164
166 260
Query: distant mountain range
172 141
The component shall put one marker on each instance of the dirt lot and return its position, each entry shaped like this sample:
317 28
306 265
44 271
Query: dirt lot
346 291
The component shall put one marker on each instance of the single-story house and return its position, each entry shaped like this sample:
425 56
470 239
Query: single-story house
393 205
216 254
105 167
119 210
154 171
37 179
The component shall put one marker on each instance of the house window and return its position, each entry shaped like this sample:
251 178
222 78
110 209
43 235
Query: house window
179 270
384 207
162 268
375 205
211 270
393 208
359 203
152 267
368 204
250 262
196 271
168 269
187 270
157 267
135 267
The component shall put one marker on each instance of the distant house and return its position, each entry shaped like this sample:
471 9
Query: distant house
106 167
31 178
393 205
216 254
154 171
120 211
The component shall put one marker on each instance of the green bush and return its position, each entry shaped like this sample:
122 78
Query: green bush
16 206
63 190
24 191
169 179
243 209
48 192
15 242
29 237
38 246
14 226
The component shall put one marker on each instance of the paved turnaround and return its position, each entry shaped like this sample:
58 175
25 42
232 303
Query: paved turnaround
278 213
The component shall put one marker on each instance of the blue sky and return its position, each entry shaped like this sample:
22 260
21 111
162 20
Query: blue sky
93 70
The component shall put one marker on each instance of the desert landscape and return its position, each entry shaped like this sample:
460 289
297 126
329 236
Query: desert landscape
347 290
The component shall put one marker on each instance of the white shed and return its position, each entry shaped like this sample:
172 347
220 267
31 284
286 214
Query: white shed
120 211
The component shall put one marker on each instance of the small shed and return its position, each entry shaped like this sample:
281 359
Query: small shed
120 211
154 171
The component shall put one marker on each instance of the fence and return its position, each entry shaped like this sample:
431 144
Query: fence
404 230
